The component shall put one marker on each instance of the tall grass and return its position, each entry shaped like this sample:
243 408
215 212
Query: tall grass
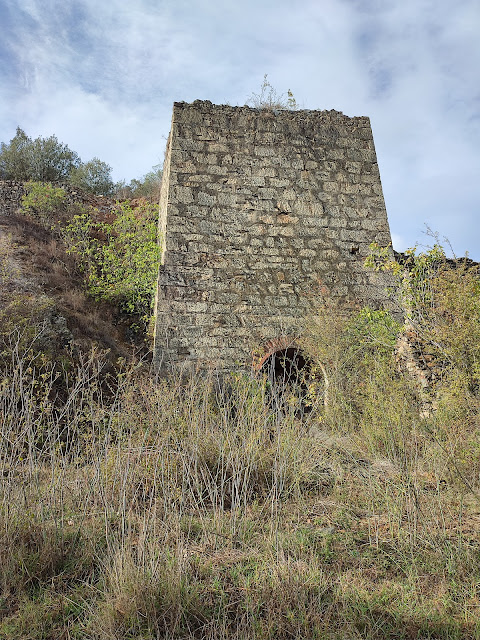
132 507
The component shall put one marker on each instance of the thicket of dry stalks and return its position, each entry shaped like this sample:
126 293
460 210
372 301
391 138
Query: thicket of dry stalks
133 507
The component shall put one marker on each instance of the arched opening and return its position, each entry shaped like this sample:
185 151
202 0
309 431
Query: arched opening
288 373
285 366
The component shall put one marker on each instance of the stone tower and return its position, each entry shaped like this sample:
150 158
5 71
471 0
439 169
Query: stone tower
264 216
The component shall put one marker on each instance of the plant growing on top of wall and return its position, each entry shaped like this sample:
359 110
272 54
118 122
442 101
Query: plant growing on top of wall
269 98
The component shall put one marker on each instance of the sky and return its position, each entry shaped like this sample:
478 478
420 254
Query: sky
102 75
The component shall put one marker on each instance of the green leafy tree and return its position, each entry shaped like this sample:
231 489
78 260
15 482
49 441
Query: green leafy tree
147 187
40 160
51 160
94 176
15 157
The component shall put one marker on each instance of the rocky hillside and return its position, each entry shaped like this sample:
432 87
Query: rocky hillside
42 283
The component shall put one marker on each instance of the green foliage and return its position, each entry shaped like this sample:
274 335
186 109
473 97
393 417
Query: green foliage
15 157
48 160
120 259
93 176
441 299
452 320
42 200
42 159
382 259
146 187
366 392
414 273
373 332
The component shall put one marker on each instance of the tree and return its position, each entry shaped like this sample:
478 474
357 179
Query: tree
40 160
52 161
14 157
93 176
147 187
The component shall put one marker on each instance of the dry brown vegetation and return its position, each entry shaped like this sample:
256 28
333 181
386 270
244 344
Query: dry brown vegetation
200 507
192 509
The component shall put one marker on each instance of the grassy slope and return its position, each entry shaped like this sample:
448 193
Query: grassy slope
181 512
136 508
37 271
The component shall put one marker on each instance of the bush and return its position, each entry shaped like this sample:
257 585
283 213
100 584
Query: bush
43 200
120 259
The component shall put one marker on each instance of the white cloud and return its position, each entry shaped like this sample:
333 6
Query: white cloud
103 76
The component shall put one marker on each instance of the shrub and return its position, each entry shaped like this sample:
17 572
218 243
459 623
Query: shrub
42 200
120 259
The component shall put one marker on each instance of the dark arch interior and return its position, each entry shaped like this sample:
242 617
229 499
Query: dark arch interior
286 366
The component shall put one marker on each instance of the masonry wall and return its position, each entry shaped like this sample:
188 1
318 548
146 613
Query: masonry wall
12 192
265 216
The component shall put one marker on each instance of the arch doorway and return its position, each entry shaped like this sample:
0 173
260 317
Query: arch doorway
288 372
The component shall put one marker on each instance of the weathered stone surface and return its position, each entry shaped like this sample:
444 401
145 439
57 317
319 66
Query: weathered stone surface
264 216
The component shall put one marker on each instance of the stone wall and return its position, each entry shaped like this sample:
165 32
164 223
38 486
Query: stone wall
265 216
11 193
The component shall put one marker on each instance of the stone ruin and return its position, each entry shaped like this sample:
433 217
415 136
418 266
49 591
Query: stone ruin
265 216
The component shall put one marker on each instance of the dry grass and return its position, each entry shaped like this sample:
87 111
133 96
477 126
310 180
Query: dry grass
189 509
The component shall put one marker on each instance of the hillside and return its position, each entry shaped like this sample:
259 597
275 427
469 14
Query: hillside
345 505
39 272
